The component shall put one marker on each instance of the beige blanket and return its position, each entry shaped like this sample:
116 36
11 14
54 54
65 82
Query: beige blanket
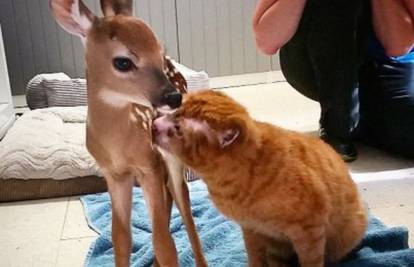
47 143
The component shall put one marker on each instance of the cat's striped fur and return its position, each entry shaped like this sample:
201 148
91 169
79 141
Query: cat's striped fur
290 193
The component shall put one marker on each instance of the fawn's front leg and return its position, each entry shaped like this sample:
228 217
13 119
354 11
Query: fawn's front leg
179 191
168 205
159 206
120 190
182 200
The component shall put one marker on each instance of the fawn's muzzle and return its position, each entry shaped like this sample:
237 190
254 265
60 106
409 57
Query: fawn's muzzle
172 99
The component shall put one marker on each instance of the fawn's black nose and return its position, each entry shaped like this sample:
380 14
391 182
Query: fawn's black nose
173 99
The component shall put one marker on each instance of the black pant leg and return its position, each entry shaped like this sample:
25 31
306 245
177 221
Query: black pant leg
336 48
322 60
295 60
387 105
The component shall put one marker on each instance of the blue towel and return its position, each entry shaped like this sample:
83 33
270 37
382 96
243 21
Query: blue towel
222 240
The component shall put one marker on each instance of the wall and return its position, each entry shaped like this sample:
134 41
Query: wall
211 35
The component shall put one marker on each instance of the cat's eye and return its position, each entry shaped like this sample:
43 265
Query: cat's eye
123 64
175 116
178 131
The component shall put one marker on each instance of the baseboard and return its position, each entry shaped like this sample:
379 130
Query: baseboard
6 126
246 79
19 101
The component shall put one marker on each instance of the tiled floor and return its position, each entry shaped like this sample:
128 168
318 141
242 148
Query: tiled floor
54 232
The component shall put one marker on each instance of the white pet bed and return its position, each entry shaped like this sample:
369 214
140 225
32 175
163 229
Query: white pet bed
44 155
47 143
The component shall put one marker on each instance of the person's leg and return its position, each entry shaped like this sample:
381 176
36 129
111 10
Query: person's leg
337 48
295 60
387 106
322 61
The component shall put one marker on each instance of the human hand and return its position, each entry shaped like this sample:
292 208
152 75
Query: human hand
409 4
275 22
394 25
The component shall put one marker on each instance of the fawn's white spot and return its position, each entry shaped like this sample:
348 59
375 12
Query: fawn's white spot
119 100
113 98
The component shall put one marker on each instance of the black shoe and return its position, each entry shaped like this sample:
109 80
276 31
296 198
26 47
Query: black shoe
344 148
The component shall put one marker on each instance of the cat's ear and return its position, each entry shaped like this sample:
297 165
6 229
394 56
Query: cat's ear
235 130
228 137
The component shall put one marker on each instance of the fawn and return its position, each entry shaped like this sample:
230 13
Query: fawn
125 79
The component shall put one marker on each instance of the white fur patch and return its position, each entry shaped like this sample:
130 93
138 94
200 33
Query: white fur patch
119 100
196 125
140 113
165 110
145 126
132 117
121 75
201 126
149 115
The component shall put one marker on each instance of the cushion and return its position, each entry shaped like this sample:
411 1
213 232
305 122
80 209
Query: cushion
55 90
47 143
59 90
66 93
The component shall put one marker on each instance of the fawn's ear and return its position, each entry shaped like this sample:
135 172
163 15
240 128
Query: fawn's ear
116 7
73 16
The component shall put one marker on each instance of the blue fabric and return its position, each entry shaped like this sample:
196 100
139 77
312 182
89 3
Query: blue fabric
377 52
222 239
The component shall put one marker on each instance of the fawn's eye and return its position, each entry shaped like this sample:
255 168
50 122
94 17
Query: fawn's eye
123 64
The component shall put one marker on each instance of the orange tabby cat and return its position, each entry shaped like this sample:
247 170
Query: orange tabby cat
289 192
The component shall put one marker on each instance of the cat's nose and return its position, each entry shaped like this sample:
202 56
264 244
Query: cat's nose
161 125
154 129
